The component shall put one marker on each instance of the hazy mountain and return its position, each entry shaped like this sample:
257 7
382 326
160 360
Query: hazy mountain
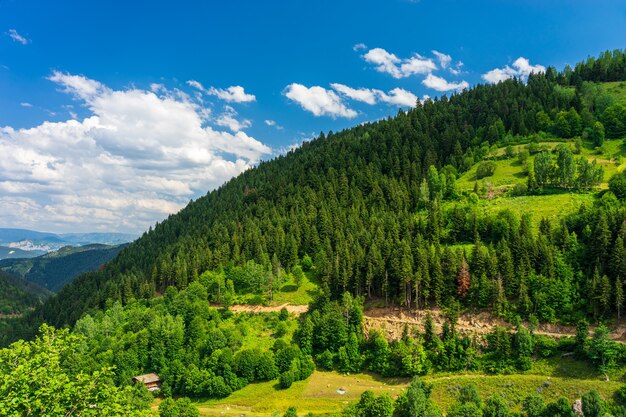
54 269
24 243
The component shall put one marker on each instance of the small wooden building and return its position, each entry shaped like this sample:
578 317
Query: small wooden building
151 381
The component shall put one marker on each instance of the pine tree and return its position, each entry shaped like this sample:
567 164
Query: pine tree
619 297
463 279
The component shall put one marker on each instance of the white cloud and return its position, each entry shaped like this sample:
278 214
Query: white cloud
228 120
441 84
273 124
25 104
232 94
417 65
17 37
397 96
318 101
137 157
364 95
235 94
457 68
359 46
521 69
399 68
384 61
196 84
444 59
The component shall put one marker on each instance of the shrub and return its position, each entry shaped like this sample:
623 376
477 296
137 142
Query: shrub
307 263
485 169
519 190
617 184
325 360
286 379
546 346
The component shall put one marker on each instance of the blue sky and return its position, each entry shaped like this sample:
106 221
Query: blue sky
114 114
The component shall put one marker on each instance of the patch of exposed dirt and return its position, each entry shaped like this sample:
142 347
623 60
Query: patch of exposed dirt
392 320
11 316
248 308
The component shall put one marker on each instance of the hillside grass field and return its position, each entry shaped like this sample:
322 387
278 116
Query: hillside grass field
553 203
318 394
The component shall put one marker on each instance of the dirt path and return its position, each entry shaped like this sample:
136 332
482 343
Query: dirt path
11 316
393 320
247 308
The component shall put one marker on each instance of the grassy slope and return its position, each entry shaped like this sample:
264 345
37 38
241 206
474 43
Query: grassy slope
551 378
288 293
617 89
509 173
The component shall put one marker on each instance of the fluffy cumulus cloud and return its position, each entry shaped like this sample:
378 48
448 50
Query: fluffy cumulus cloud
398 68
228 119
521 68
444 59
397 96
138 156
391 64
17 37
318 100
232 94
441 84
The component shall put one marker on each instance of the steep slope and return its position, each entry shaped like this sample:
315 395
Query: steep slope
18 296
349 200
55 269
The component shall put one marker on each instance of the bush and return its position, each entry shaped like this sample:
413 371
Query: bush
281 329
182 407
325 360
286 379
485 169
617 184
519 190
307 263
546 346
283 315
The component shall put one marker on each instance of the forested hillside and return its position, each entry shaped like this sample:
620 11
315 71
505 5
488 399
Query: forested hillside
18 296
378 210
55 269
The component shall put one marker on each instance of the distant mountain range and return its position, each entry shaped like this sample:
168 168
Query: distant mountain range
23 243
55 269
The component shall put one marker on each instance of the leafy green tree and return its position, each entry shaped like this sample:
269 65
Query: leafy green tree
495 406
582 337
534 406
602 349
307 263
465 410
566 168
593 405
469 394
485 169
597 134
543 168
35 380
291 412
560 408
617 184
614 120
